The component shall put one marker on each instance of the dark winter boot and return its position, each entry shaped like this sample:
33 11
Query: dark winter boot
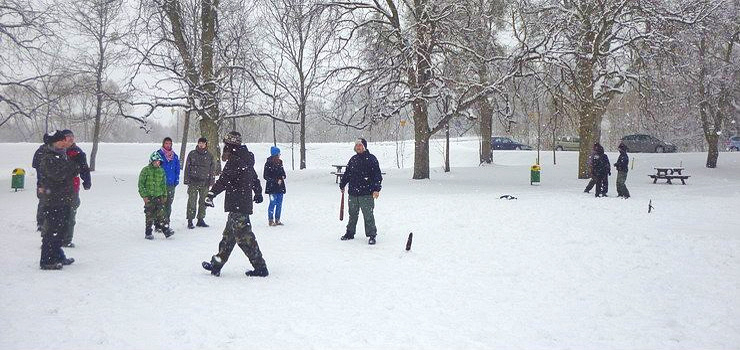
167 231
148 233
278 223
53 266
212 266
201 223
371 241
258 272
347 236
190 224
271 223
68 261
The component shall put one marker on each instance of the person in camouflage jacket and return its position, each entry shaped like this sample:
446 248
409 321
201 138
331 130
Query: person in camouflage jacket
200 169
153 190
239 180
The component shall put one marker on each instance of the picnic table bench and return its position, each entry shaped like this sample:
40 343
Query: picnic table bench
669 173
340 171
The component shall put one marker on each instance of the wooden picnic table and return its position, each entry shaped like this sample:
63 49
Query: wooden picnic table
669 173
339 172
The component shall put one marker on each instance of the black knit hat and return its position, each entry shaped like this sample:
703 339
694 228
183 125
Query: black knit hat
233 138
361 140
67 132
203 139
55 136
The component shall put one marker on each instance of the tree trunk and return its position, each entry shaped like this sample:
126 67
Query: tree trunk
713 154
98 102
486 130
184 145
421 140
447 147
302 111
209 130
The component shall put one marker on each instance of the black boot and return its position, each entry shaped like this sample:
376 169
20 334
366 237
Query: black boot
52 266
190 224
148 232
167 231
371 241
201 223
68 261
258 272
213 266
347 236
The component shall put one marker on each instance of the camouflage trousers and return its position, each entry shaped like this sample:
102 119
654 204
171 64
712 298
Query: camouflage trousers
154 211
70 231
238 231
168 204
197 195
621 187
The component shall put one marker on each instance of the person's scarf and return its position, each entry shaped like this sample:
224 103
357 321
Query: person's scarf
170 155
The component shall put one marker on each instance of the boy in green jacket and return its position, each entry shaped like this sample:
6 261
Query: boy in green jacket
153 189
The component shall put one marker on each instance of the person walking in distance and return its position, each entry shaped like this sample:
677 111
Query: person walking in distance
601 171
200 169
590 163
622 167
239 180
274 175
364 179
75 154
171 166
57 195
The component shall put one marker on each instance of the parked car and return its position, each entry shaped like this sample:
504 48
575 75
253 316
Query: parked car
646 143
567 143
733 144
506 143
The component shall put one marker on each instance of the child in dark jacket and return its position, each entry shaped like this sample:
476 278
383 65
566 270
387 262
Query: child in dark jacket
601 171
274 175
622 167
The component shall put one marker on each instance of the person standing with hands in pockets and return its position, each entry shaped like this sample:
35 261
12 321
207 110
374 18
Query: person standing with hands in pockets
364 179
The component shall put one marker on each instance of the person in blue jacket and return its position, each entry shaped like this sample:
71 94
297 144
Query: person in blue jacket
171 166
364 178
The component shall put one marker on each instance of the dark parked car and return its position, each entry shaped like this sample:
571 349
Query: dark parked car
733 144
646 143
506 143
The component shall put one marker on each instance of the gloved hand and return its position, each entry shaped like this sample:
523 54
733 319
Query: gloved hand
209 200
258 198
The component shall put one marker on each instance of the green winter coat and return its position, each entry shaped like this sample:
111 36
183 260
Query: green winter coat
152 182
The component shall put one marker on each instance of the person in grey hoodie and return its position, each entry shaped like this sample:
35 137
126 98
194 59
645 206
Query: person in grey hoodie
200 169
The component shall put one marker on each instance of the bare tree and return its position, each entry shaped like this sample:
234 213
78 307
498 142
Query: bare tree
25 28
405 49
595 45
97 22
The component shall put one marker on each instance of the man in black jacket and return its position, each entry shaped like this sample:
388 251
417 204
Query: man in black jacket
239 180
364 178
622 168
57 195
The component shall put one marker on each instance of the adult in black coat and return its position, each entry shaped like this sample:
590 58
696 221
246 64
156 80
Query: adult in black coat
239 180
601 171
364 178
622 167
274 175
57 195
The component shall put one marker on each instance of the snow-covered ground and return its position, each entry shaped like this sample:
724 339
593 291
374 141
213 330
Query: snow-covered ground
554 269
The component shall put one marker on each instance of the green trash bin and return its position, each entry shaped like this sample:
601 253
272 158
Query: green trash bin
534 174
18 179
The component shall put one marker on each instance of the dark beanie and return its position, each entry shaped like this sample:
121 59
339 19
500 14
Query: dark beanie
67 132
203 139
233 138
364 143
55 136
